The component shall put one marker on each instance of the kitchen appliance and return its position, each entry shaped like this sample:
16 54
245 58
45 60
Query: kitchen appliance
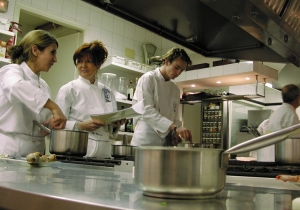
204 177
214 124
149 51
66 142
124 163
260 169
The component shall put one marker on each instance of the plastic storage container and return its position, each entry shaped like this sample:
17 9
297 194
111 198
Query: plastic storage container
121 84
108 79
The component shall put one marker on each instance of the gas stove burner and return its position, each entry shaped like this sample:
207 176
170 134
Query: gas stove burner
88 161
260 169
121 157
252 163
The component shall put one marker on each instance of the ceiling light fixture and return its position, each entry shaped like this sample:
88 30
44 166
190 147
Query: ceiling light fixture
247 78
193 85
192 38
269 85
218 82
3 6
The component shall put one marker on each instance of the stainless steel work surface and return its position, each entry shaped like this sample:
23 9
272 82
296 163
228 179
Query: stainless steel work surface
70 186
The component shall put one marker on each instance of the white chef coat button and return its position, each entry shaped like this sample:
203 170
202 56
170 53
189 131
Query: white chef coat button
92 106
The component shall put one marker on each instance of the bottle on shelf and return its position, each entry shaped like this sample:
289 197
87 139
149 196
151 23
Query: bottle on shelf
128 125
130 91
135 85
122 127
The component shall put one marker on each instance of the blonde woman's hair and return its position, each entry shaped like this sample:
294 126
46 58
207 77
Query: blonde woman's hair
22 52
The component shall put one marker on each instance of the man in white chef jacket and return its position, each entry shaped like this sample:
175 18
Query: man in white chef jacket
284 116
161 101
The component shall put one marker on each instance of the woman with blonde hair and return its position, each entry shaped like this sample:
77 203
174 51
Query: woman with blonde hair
25 97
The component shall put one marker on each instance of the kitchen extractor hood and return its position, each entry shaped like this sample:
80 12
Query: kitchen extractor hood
258 30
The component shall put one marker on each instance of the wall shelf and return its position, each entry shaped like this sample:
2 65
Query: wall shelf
6 35
4 61
120 70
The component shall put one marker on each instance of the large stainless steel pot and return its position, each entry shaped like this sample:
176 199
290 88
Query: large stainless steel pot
288 151
66 142
192 173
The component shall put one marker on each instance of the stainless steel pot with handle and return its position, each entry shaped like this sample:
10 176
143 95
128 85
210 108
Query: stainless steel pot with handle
192 173
288 151
122 150
66 142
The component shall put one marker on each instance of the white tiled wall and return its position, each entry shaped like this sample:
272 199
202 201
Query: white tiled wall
116 33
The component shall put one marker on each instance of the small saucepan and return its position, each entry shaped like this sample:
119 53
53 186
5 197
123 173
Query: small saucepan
66 142
122 150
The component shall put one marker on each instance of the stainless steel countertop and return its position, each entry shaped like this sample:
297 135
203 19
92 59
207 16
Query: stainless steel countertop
69 186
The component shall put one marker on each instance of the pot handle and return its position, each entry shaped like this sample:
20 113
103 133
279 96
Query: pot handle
259 142
265 140
42 126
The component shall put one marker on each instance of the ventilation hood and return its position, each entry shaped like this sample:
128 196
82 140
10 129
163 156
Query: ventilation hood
257 30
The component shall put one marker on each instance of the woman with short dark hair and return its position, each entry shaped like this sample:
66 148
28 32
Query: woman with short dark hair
85 95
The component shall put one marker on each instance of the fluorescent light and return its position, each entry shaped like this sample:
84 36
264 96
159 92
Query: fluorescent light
269 85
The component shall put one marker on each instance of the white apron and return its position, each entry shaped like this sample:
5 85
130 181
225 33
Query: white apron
20 145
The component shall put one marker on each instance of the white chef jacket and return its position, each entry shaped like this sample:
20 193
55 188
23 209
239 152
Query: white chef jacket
283 117
22 97
79 99
160 111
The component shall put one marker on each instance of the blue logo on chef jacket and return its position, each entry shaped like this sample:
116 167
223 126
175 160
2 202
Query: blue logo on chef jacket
174 106
106 93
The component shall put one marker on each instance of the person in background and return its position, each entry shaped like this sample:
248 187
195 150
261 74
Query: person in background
284 116
262 129
87 95
161 102
25 97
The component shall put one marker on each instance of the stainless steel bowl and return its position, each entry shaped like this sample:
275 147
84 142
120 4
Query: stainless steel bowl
122 150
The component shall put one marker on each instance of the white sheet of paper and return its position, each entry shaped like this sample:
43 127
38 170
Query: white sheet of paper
134 111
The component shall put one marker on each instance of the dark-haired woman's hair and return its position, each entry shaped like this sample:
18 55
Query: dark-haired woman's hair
22 52
95 49
175 53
